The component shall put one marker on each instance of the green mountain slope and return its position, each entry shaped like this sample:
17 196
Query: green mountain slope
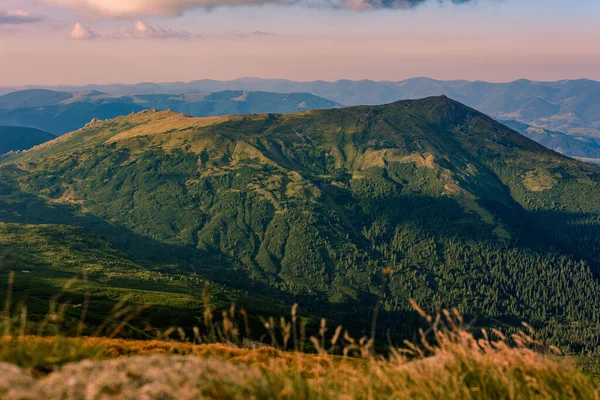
568 106
46 258
311 207
46 245
13 138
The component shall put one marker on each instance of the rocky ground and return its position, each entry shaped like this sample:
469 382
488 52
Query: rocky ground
154 377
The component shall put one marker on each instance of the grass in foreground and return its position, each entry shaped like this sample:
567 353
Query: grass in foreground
449 363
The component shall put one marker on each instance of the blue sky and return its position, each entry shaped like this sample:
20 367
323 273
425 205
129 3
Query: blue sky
101 41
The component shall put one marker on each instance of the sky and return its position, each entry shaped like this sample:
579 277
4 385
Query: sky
76 42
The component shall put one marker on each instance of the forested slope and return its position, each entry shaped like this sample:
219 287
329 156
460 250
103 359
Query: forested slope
456 209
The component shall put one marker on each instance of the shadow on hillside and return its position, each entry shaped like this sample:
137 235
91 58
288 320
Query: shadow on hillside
440 218
24 208
572 234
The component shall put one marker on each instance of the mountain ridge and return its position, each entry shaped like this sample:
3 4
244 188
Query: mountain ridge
574 101
311 207
565 110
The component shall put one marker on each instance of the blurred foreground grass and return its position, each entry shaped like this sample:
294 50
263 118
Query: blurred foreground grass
452 365
219 361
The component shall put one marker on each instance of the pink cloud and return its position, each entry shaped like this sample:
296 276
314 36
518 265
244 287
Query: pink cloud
141 30
80 32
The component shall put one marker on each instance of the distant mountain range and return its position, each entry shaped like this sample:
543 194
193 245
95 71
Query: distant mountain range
581 147
14 138
569 106
62 112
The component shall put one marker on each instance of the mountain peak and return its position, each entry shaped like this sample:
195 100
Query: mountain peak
315 204
436 125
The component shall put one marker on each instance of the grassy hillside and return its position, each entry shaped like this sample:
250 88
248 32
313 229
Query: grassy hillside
539 110
70 264
456 209
14 138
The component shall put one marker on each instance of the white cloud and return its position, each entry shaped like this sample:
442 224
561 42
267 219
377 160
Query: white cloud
17 17
142 31
137 8
80 32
